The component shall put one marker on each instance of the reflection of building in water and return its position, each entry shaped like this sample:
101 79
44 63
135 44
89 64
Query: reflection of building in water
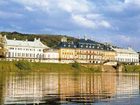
23 89
87 87
2 88
127 85
41 88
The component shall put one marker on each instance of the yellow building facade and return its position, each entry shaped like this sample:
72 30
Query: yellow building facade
85 51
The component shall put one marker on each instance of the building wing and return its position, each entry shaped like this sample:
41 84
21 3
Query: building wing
21 43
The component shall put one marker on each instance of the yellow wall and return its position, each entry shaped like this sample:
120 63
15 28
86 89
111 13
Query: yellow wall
89 55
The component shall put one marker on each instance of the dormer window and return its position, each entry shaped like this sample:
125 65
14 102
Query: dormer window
64 45
89 46
86 46
68 45
81 45
92 46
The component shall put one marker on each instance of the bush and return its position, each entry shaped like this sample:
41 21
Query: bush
23 65
76 65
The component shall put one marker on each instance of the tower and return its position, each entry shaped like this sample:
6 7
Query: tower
63 39
2 46
85 37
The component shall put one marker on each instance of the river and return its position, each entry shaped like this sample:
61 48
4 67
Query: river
39 88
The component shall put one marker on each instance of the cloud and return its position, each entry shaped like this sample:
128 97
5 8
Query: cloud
84 21
134 2
89 23
6 15
75 6
112 20
29 8
80 11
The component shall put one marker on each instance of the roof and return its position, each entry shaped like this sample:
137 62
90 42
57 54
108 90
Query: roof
122 50
85 44
36 43
87 41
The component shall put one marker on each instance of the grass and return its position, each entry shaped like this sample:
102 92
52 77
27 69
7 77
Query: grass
6 66
131 68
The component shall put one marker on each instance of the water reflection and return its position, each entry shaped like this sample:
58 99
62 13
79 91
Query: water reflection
55 89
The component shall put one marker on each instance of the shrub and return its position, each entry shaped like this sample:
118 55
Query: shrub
23 65
76 65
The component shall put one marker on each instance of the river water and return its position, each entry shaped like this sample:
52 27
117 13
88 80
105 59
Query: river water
69 89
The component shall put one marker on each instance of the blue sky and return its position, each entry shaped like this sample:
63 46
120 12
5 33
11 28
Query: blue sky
113 21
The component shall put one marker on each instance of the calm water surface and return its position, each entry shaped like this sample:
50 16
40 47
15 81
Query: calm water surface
69 89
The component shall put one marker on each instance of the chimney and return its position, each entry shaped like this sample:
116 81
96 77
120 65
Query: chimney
14 38
85 37
38 39
34 39
26 40
5 37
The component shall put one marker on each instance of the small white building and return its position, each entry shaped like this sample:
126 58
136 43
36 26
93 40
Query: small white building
51 56
19 49
126 55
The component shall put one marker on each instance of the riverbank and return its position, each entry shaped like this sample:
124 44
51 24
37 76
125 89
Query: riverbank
131 68
46 67
6 66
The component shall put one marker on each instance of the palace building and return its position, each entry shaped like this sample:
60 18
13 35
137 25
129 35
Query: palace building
126 55
85 51
24 49
81 51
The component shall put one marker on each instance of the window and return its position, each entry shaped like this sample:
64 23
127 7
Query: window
11 48
23 54
9 54
19 54
12 55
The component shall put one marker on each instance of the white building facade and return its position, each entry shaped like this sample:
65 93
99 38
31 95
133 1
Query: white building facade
126 55
51 56
18 49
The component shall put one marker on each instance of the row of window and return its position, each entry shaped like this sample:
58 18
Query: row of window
128 55
127 60
98 47
25 49
80 52
12 54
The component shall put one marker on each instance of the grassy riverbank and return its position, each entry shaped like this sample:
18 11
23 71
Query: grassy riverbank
6 66
46 67
131 68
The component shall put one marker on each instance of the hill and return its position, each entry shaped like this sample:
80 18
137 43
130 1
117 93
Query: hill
47 39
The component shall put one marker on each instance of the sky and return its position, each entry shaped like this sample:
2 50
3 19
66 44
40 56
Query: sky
112 21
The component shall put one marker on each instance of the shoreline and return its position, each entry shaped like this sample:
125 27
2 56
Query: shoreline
8 66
